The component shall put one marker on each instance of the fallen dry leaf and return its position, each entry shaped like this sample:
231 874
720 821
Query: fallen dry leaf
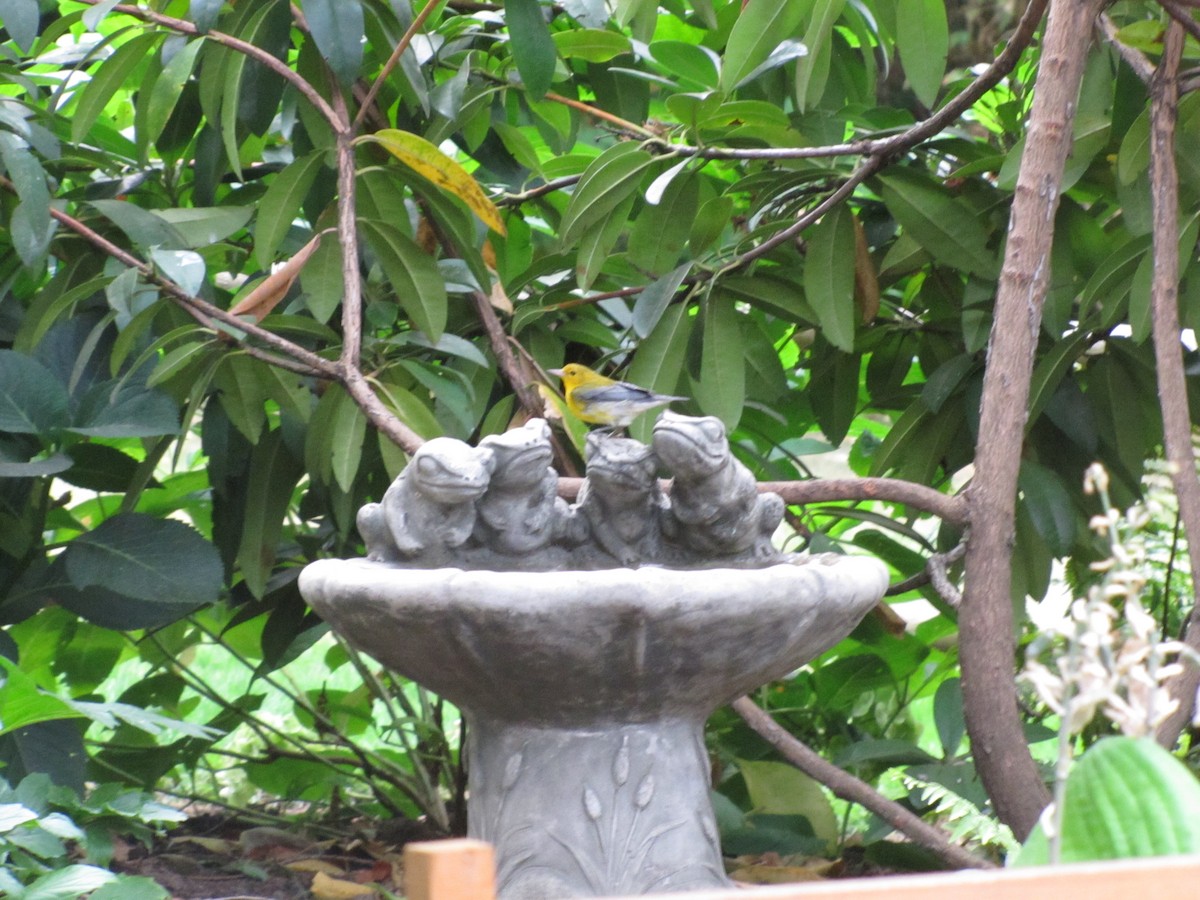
327 888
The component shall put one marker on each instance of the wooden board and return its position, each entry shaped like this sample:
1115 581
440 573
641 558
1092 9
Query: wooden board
459 869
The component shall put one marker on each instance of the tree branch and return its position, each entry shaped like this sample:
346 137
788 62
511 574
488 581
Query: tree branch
1168 353
393 60
847 787
257 54
986 644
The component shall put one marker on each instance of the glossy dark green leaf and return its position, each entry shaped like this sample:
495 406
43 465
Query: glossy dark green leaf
159 561
812 71
711 219
923 39
125 409
321 279
661 231
696 66
21 19
204 13
168 88
721 388
274 473
652 302
337 27
99 467
1049 505
948 716
33 400
413 275
280 205
833 391
596 243
759 28
108 78
950 231
141 226
829 276
591 44
947 380
532 47
14 464
612 177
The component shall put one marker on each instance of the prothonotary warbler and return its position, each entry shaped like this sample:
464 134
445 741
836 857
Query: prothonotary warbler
602 401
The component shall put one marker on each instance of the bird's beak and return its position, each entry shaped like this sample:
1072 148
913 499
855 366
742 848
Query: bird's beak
557 372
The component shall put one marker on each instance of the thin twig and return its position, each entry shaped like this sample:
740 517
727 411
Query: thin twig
847 787
279 67
1134 58
597 113
306 362
393 60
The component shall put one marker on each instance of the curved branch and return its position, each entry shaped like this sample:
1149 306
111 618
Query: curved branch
986 646
847 787
1168 353
280 68
952 509
206 313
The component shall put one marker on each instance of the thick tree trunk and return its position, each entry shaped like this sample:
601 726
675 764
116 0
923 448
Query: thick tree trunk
987 645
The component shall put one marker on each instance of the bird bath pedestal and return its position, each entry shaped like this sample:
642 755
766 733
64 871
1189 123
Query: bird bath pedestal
586 691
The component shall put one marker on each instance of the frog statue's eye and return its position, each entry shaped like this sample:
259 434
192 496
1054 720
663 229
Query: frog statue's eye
428 465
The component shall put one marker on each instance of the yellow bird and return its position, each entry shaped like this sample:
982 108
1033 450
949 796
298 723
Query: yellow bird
599 400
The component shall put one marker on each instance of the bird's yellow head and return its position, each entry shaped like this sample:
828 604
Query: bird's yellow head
573 373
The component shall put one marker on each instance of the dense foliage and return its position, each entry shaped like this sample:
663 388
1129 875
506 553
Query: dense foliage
733 201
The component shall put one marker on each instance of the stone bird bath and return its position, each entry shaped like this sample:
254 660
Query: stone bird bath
587 645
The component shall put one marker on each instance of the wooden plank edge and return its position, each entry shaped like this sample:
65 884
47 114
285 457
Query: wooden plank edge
1160 878
454 869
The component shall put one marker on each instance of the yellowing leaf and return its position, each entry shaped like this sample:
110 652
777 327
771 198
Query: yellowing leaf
326 888
428 161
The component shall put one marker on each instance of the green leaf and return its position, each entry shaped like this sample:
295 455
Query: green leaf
1049 505
141 226
125 409
204 13
923 38
532 47
203 226
950 231
780 789
948 716
829 276
661 231
68 883
33 400
710 221
108 78
833 390
160 561
23 703
281 204
21 19
654 299
31 227
812 72
721 391
591 44
1125 797
760 27
321 279
131 887
413 275
695 64
338 27
168 87
597 242
610 178
274 473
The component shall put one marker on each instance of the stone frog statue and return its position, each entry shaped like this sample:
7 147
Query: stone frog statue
429 510
621 505
520 516
716 510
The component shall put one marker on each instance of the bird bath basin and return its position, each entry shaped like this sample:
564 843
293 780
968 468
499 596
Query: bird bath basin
586 690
